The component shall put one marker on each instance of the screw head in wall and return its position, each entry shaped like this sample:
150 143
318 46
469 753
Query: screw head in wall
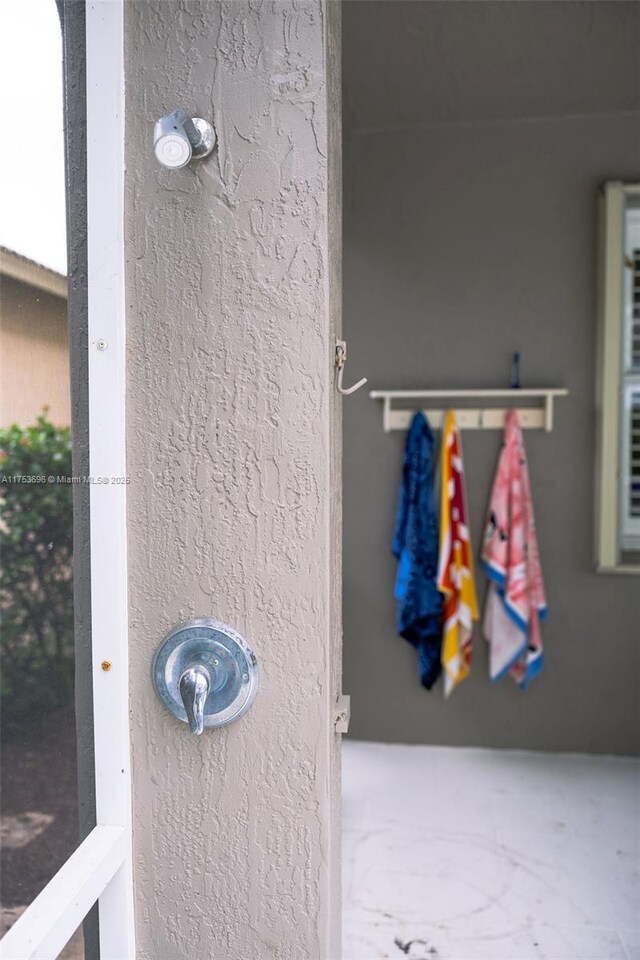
106 665
101 344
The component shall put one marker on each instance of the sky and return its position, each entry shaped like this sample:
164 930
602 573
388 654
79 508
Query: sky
32 210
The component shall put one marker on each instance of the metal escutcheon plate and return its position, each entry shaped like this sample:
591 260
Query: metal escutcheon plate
228 658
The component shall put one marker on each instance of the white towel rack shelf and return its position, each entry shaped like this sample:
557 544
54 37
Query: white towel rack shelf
482 417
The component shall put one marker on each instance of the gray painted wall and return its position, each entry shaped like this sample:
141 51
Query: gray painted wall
234 457
470 232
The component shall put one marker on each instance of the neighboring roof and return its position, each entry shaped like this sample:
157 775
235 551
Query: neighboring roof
34 274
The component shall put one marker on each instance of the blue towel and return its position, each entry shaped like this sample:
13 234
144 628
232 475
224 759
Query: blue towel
415 544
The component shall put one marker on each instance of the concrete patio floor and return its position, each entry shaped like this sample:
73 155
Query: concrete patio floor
467 854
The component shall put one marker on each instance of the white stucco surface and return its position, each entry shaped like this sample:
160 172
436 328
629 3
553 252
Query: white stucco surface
234 505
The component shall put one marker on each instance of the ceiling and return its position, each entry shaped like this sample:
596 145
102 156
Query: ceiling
408 62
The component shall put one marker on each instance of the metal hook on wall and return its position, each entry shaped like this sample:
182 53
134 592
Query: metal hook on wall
341 357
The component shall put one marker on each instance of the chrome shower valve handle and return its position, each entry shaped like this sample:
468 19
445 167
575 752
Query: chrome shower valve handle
194 686
205 674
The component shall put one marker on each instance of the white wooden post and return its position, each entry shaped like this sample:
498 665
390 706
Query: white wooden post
100 869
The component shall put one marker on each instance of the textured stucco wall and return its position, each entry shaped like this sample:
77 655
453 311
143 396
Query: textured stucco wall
468 236
34 355
233 462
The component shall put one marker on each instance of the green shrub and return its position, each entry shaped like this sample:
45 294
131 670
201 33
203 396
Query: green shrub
36 580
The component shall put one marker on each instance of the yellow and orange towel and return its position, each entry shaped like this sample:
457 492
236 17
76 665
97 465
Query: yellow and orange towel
455 567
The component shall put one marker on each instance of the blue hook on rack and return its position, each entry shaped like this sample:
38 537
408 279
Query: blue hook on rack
515 371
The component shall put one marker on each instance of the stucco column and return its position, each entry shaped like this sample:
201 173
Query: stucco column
234 460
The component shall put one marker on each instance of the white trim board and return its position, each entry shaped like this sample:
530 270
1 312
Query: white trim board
51 920
107 378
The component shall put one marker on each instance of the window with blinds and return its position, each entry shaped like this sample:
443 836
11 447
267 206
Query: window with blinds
630 438
630 472
618 513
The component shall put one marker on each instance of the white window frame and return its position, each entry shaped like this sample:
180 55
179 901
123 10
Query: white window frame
101 867
612 391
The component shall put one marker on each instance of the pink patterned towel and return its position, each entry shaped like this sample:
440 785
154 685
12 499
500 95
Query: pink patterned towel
515 601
